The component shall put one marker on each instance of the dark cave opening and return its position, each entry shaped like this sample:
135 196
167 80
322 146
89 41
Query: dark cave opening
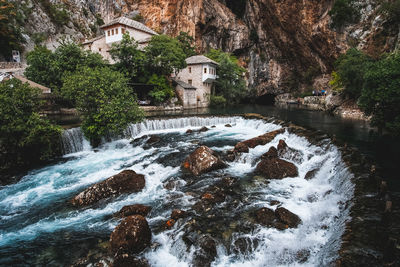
266 100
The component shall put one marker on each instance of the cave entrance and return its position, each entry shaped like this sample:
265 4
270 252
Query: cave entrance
266 99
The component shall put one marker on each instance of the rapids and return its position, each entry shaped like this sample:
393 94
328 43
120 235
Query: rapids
40 227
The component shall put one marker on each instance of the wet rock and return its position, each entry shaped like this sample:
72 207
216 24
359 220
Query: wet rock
203 129
126 181
228 125
202 160
265 216
137 141
136 209
178 214
243 147
189 131
311 174
274 202
153 139
170 223
287 217
217 197
244 245
132 235
286 152
126 260
206 253
274 168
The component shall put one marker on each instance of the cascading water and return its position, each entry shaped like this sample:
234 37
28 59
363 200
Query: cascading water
74 141
39 227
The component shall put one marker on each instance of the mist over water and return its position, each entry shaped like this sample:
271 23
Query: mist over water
38 226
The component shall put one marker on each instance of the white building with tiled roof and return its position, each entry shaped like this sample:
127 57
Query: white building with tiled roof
200 74
113 33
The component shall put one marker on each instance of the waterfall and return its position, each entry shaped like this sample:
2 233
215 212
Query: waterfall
178 123
74 141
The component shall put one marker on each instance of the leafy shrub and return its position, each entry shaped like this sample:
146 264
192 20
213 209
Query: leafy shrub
99 20
343 12
56 12
392 10
162 91
217 100
25 137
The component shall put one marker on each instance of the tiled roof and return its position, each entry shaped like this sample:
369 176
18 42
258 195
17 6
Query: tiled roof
199 60
184 85
130 23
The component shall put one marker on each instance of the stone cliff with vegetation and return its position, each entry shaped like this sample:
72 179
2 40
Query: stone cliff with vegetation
284 45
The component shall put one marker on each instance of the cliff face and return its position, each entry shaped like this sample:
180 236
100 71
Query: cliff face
278 42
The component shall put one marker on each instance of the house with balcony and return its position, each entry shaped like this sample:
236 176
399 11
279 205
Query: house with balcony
113 33
194 83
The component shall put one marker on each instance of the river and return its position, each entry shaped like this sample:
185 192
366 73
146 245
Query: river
39 226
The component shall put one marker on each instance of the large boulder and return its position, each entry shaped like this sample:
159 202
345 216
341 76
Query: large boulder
124 182
286 152
243 147
287 217
202 160
136 209
206 252
132 235
274 168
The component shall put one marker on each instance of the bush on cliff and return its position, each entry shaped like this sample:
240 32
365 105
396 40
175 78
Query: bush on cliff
380 96
104 100
25 138
343 12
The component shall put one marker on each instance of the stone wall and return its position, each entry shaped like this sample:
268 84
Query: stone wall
10 65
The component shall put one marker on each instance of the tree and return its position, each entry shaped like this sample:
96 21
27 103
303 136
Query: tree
48 68
381 95
164 55
25 137
41 66
162 88
230 83
104 100
186 43
129 59
10 33
349 76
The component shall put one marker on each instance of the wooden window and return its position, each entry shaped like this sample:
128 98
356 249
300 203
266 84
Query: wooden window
190 82
99 49
205 70
190 69
116 31
123 30
112 32
109 32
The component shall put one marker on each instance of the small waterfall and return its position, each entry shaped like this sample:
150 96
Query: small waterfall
74 141
178 123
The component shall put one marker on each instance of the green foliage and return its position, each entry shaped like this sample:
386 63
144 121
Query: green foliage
12 18
186 42
217 101
40 66
104 100
162 91
392 10
230 83
130 60
164 55
25 138
381 95
99 20
48 68
39 37
138 18
343 12
350 68
336 83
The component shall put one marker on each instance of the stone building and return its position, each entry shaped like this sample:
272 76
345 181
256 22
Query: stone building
113 32
194 83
